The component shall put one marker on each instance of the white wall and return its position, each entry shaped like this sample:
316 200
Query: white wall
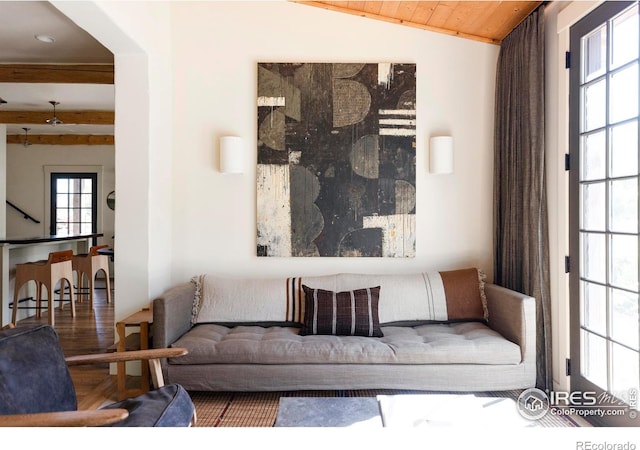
26 184
216 48
138 33
186 74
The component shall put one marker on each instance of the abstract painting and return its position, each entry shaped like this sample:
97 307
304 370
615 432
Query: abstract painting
336 160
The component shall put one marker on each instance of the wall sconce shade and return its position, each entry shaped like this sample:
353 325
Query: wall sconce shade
441 155
231 154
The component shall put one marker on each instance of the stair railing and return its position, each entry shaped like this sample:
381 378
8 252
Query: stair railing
24 214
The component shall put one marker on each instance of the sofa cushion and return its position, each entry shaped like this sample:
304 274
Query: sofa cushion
464 294
347 313
455 295
456 343
227 299
430 296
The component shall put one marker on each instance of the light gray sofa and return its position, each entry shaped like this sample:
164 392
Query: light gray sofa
270 355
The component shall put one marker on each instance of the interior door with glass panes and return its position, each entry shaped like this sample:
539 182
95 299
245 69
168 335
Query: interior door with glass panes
73 203
604 186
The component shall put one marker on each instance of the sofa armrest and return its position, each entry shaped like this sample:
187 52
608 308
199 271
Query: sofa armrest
172 314
513 315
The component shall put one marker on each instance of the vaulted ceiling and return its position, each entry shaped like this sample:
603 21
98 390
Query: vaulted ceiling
485 21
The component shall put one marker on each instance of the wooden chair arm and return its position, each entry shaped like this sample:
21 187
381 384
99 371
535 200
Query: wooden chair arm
87 418
135 355
152 355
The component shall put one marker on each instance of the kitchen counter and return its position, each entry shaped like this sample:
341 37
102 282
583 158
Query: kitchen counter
24 249
49 238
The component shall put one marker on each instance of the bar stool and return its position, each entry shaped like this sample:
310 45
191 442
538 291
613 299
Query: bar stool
46 273
88 265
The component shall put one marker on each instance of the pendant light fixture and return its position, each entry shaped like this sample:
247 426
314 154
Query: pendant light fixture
26 142
54 120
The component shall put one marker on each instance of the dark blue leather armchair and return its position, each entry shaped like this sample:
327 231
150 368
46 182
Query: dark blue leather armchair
36 388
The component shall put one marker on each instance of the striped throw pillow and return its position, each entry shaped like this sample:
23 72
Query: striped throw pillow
348 313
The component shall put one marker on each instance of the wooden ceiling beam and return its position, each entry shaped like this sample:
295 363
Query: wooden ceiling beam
62 139
57 73
67 117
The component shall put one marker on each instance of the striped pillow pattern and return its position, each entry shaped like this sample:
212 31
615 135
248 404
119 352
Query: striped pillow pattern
347 313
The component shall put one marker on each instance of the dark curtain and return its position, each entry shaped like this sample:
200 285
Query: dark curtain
520 207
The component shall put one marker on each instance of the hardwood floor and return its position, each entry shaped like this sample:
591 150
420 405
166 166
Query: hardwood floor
89 332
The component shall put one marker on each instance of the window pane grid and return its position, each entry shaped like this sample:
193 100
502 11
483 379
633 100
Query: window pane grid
75 199
610 203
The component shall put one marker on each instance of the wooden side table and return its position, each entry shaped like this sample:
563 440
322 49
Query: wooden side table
136 341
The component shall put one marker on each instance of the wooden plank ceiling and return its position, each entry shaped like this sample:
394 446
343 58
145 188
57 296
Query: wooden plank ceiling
485 21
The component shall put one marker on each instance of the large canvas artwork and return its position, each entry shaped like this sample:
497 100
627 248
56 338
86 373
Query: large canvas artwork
336 160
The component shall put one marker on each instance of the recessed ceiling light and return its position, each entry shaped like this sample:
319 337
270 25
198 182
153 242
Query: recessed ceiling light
45 38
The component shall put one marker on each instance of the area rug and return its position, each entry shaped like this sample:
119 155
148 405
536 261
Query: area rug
260 409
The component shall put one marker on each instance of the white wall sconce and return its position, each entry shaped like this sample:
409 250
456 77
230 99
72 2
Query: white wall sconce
231 154
441 155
